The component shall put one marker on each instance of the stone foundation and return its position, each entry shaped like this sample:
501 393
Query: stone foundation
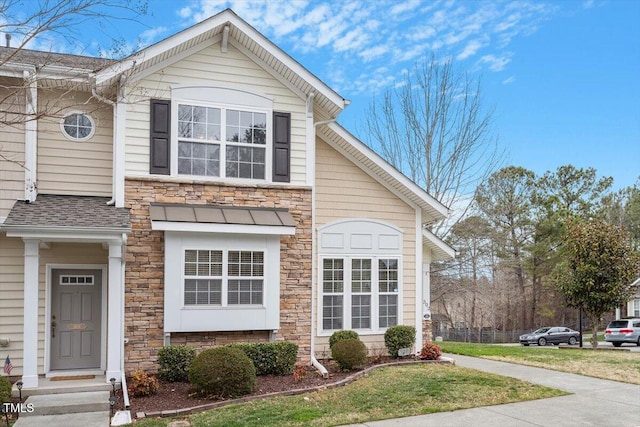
144 277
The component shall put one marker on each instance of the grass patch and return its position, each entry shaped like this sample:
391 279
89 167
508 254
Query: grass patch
390 392
610 365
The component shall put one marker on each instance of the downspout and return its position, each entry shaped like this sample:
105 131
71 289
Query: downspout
101 98
31 136
311 133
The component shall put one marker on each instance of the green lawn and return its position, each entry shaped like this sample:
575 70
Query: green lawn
612 365
390 392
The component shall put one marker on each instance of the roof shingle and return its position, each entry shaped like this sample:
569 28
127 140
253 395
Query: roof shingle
68 211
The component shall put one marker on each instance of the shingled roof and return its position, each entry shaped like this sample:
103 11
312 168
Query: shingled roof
53 211
39 59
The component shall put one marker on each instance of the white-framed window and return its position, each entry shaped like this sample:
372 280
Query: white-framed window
221 282
75 279
636 308
359 276
223 278
202 277
77 126
221 133
388 287
221 142
360 293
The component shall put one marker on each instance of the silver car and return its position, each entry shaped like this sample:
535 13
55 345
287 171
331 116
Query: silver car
551 335
623 330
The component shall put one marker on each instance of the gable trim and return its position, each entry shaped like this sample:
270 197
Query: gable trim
136 77
213 24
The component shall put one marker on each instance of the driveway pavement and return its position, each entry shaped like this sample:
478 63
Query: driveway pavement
594 402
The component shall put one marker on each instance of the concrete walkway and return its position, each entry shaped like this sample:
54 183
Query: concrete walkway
594 402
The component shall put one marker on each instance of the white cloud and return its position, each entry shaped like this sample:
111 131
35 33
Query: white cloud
509 80
152 35
185 12
470 49
372 53
348 41
495 62
404 7
352 40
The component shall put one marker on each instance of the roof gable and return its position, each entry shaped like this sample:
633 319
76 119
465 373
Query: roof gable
227 27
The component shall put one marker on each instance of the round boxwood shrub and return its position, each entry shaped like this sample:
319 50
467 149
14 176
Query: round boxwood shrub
399 336
342 335
5 390
222 372
430 351
174 362
349 353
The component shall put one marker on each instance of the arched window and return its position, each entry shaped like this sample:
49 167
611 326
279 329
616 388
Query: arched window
360 276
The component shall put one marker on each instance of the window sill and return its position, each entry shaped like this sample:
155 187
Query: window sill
219 307
363 332
216 181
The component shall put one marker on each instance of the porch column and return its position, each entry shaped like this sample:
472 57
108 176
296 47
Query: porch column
30 322
115 313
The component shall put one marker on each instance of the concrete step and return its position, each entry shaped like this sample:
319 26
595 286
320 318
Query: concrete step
67 403
48 386
82 419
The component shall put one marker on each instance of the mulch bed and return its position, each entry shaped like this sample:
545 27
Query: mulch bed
178 398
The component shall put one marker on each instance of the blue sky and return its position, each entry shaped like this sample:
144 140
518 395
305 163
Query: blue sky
563 77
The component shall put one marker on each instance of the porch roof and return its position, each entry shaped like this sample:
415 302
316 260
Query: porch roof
58 212
221 215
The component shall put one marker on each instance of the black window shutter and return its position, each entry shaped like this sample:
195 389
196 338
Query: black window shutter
281 147
160 143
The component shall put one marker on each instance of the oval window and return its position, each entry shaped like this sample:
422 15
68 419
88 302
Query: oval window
78 126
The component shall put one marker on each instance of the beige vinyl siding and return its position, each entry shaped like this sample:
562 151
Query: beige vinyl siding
11 298
211 67
11 146
12 285
345 191
69 167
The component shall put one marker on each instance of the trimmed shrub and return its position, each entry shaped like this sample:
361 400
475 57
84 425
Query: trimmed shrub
222 372
345 334
430 351
349 353
174 362
142 384
5 390
399 336
270 358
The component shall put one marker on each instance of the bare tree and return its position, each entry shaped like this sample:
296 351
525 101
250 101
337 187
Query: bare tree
51 23
433 127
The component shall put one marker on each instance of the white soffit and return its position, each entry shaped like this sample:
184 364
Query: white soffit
248 37
365 158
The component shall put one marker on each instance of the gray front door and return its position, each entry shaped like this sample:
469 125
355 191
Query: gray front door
76 313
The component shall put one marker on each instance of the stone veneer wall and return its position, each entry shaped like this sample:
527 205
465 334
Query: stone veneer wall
144 276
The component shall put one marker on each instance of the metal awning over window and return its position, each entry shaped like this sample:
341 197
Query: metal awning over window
221 219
